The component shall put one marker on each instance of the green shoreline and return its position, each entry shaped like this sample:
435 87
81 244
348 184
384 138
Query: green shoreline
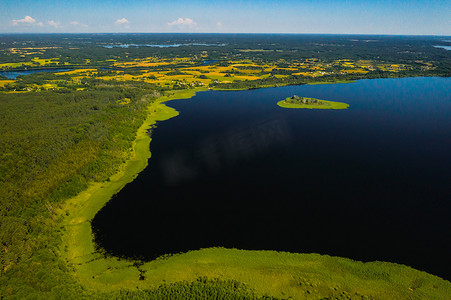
278 274
78 249
331 82
281 85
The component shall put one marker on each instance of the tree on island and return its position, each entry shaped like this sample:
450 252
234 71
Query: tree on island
304 100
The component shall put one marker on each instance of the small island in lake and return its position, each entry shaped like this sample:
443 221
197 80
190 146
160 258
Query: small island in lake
311 103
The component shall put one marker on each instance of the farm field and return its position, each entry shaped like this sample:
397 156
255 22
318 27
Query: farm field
182 73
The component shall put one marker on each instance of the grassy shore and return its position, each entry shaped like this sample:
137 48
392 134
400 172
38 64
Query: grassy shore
331 82
278 274
78 249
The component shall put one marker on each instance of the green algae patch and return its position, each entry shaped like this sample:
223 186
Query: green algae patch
310 103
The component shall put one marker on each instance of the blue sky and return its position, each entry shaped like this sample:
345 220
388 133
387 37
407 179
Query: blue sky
412 17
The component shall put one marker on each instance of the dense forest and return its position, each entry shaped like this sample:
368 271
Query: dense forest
52 146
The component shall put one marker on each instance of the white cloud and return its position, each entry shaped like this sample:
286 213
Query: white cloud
219 24
53 23
76 23
122 21
183 22
27 20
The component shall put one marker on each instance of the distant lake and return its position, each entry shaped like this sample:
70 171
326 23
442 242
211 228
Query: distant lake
161 45
209 62
235 170
444 47
14 74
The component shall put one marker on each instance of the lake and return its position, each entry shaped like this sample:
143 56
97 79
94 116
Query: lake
14 74
235 170
444 47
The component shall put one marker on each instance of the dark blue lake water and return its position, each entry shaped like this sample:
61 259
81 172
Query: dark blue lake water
235 170
14 74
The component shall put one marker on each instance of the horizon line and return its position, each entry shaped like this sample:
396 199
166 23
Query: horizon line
219 33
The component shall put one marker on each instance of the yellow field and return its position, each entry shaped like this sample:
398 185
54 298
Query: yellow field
234 70
250 71
124 101
358 71
5 82
28 51
309 74
33 62
15 65
246 68
49 86
45 61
